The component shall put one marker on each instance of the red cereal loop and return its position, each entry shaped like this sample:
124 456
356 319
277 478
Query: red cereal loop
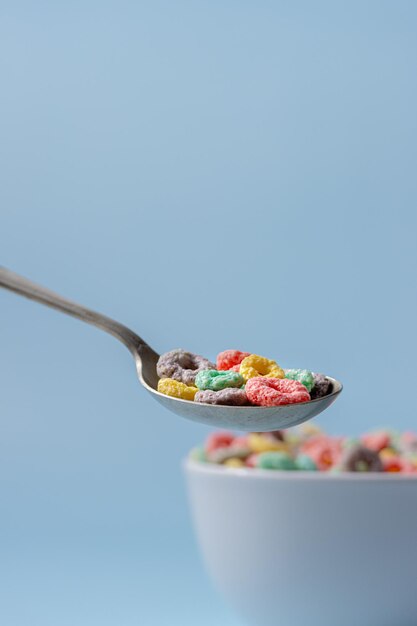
376 441
251 460
227 359
235 368
265 391
398 464
241 440
324 451
218 440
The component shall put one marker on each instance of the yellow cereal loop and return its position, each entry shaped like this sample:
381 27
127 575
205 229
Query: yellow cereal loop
255 365
388 453
310 430
174 388
259 442
234 462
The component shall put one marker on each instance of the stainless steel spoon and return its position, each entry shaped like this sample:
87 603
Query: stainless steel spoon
248 418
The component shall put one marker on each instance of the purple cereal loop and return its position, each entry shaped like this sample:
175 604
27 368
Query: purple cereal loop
322 386
357 458
182 366
230 396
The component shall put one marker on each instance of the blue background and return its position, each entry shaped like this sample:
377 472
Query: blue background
214 175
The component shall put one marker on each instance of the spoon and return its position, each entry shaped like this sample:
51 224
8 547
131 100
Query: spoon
247 418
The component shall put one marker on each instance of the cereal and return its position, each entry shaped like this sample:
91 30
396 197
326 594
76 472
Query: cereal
397 464
220 439
252 460
408 443
263 442
305 463
303 376
241 440
255 365
265 391
182 366
387 453
228 359
233 370
376 440
361 459
277 434
174 388
322 386
309 429
275 461
233 451
228 397
323 450
306 449
198 454
216 381
413 460
234 462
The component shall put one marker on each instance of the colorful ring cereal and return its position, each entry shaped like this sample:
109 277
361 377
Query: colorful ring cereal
241 440
398 464
303 376
408 443
377 440
230 396
182 366
216 381
221 439
264 391
228 359
252 460
313 452
263 442
220 455
254 365
276 461
305 463
235 463
322 386
198 454
387 453
361 459
323 450
175 389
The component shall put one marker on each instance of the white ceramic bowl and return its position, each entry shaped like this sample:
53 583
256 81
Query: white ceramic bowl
309 549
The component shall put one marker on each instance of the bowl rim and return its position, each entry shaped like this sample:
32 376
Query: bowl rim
243 473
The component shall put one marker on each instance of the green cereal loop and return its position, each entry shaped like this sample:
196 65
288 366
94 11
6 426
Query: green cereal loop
275 461
216 381
198 454
305 463
303 376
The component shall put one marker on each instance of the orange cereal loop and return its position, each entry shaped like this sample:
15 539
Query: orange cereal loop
255 365
174 388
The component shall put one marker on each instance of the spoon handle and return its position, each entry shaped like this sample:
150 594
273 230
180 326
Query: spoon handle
28 289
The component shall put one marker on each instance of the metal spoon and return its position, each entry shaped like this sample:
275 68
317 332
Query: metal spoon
248 418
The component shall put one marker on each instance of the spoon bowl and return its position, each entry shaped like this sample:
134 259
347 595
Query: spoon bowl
246 418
